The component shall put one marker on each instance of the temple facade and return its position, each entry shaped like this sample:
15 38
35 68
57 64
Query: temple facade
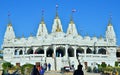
59 48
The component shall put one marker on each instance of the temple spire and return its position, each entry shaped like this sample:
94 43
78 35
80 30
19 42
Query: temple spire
42 30
57 26
110 33
9 34
71 27
56 17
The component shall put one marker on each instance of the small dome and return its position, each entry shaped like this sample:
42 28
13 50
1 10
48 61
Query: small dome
101 39
94 38
79 37
87 38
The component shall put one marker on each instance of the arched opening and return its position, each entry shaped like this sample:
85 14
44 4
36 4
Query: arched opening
39 51
49 52
118 54
89 51
79 51
70 52
101 51
60 52
20 52
15 53
30 51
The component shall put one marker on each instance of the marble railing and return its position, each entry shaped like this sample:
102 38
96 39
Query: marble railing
36 56
29 56
93 56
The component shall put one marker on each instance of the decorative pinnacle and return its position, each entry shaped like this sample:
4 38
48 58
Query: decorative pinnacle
110 21
56 12
42 19
9 21
71 17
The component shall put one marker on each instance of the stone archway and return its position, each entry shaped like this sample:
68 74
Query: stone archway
30 51
70 52
102 51
49 52
60 52
79 51
39 51
89 51
15 52
20 52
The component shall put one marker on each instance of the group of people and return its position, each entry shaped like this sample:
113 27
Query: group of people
40 70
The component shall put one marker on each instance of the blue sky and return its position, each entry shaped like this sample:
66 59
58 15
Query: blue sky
91 16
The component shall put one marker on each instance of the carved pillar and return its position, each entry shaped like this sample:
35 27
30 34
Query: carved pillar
54 56
54 50
34 49
66 51
23 49
75 48
45 49
85 49
13 51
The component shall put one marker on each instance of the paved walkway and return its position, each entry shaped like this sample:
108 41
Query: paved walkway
69 73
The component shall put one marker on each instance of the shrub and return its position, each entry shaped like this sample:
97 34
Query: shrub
98 65
26 66
103 65
7 65
89 69
100 69
116 64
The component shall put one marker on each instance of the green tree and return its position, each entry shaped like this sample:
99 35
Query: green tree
7 65
116 64
26 66
103 65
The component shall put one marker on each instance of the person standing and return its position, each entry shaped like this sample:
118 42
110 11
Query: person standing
42 71
3 72
45 66
49 66
79 70
35 71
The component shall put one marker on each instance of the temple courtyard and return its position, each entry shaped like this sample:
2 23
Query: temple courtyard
67 73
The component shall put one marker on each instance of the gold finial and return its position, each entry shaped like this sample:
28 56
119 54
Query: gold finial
71 20
100 36
56 12
71 17
110 21
9 21
42 19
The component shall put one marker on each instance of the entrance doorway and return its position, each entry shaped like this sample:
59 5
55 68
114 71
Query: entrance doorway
60 52
49 52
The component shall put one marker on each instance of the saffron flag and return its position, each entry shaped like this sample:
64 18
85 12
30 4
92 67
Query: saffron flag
73 10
